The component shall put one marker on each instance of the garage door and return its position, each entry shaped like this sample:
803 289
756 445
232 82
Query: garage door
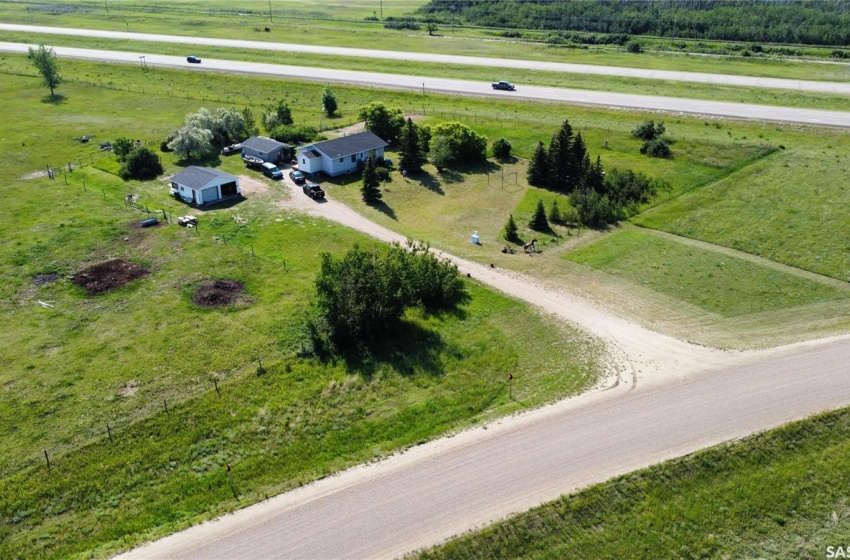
210 194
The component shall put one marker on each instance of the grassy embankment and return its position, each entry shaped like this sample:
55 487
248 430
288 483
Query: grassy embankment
328 22
779 494
665 88
122 358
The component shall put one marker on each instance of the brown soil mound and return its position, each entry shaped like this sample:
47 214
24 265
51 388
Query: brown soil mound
107 276
218 293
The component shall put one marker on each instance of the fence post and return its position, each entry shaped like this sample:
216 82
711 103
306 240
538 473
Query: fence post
109 431
215 382
46 458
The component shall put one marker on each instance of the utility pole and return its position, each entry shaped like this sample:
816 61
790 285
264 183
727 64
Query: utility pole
270 11
382 9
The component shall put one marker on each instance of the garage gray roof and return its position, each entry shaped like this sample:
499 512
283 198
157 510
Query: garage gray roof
351 144
197 177
262 144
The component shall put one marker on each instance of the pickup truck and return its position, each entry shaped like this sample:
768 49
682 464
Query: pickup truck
313 190
504 85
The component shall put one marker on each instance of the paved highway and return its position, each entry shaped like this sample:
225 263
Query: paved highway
426 84
480 61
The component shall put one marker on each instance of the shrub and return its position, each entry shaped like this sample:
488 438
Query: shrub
141 164
290 134
647 130
122 147
501 149
634 47
656 148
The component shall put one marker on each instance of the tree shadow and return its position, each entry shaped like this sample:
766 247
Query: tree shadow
211 160
56 99
408 348
228 202
384 208
429 182
450 176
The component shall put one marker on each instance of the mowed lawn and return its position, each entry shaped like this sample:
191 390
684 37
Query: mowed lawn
790 207
779 494
716 282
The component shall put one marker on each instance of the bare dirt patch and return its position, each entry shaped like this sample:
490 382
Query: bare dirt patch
42 279
104 277
128 389
218 293
249 185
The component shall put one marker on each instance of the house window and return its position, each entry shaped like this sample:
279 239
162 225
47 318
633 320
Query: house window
341 160
353 158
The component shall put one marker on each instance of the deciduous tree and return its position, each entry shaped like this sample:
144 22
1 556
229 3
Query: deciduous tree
329 104
44 59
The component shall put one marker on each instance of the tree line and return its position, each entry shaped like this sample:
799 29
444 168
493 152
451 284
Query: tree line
598 197
825 22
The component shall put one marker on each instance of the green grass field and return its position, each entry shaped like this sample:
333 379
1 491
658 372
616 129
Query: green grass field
716 282
779 494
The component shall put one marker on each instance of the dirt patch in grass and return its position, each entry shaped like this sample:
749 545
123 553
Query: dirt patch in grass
104 277
248 185
128 389
42 279
218 293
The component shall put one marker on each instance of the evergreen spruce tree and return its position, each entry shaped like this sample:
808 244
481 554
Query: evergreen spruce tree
370 191
579 161
538 220
555 214
411 159
511 229
562 166
538 173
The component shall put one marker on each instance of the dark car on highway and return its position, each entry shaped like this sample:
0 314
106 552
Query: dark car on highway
193 59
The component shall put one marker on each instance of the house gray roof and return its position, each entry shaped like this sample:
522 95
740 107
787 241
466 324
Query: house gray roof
197 177
311 153
262 144
351 144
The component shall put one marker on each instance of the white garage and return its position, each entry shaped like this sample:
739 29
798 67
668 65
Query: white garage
204 185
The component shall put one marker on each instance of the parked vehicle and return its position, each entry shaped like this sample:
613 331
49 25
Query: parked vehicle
187 221
297 176
507 86
231 149
271 171
193 59
313 190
